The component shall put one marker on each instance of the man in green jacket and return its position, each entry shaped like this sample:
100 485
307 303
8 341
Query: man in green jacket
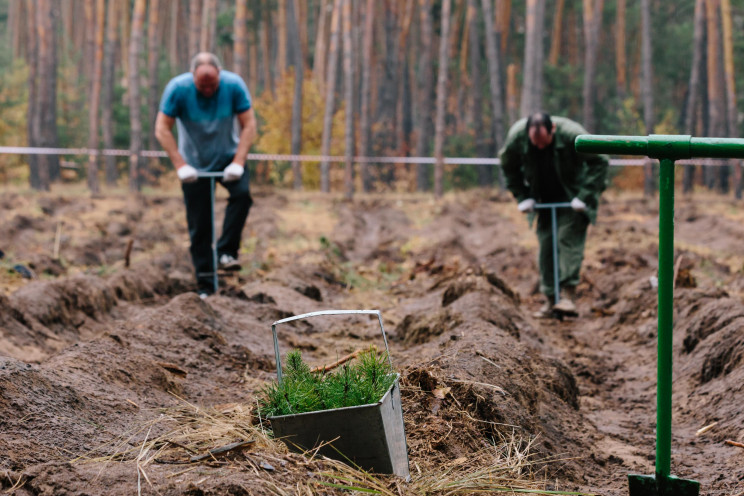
541 165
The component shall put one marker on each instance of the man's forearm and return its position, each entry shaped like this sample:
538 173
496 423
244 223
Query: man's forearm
168 142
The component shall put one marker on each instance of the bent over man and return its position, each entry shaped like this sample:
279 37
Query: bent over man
541 165
216 127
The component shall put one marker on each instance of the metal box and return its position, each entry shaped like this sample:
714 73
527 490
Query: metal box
370 436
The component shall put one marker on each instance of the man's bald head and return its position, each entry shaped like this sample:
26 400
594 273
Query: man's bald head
206 68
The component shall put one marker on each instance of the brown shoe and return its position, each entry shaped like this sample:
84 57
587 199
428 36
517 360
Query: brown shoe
546 311
566 305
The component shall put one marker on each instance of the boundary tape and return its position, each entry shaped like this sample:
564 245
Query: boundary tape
615 162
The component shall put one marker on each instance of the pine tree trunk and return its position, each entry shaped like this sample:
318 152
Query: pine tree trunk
14 23
693 92
485 172
592 23
281 35
299 66
620 51
107 92
95 97
388 88
266 28
441 101
253 52
731 107
204 35
47 90
364 118
135 119
239 40
716 105
502 22
325 173
512 100
125 33
90 40
533 57
494 81
319 64
194 26
38 180
153 95
649 182
349 101
555 44
303 21
403 104
424 92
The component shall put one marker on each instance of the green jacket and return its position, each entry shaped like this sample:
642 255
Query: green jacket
582 176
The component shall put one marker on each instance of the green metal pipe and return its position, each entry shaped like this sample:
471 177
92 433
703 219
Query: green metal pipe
665 308
662 146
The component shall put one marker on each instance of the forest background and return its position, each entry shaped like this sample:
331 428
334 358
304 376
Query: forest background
423 78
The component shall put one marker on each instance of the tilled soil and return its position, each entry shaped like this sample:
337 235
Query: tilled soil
94 352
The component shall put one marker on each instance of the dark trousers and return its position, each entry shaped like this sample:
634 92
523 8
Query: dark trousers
199 218
572 228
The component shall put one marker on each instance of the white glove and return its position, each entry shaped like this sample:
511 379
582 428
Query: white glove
187 174
527 205
233 172
578 205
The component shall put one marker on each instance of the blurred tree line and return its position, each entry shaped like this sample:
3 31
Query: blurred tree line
429 78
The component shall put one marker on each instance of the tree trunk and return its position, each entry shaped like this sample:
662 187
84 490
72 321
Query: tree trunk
716 105
592 23
620 51
485 172
494 81
693 91
135 119
320 46
731 107
95 97
647 79
266 48
512 91
126 31
402 104
281 38
107 92
89 49
325 173
253 52
424 91
302 20
153 57
441 100
364 118
47 90
555 44
194 26
349 101
533 57
39 180
502 21
208 8
299 66
239 42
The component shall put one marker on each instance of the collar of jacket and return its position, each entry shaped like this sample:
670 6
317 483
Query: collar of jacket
558 138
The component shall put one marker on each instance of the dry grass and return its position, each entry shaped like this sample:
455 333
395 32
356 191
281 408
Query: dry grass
187 433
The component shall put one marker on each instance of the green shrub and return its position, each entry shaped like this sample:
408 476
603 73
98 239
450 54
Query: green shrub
361 382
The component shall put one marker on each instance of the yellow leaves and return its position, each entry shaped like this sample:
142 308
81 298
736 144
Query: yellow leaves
275 130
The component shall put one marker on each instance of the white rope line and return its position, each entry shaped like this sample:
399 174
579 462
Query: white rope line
616 162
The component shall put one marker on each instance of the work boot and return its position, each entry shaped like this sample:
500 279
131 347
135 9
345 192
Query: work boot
566 305
546 311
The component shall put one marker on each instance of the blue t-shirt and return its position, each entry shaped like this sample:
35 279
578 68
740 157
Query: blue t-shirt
208 129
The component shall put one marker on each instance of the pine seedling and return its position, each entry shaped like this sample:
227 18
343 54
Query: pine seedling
362 382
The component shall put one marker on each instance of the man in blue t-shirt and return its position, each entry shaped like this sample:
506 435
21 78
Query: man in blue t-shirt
216 127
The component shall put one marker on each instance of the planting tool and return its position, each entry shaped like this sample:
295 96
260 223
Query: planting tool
371 436
666 148
212 176
554 225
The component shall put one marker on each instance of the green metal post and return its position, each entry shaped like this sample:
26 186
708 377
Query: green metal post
664 339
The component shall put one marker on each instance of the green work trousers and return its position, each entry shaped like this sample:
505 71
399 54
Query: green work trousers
572 228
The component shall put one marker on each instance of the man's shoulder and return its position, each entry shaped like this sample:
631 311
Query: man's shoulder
231 79
182 81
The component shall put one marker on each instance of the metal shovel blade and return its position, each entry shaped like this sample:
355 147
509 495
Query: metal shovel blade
649 485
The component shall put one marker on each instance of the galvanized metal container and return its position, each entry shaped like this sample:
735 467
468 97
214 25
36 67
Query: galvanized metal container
370 436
